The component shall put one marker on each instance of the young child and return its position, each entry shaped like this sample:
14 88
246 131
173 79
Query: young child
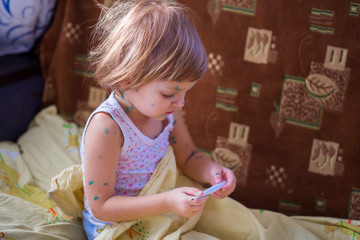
149 57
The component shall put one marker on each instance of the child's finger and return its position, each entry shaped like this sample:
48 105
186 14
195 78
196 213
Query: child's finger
216 175
219 195
194 192
197 208
199 201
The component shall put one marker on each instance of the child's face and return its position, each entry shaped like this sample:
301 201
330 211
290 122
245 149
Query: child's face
159 98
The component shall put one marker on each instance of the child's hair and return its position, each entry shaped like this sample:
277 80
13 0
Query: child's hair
144 40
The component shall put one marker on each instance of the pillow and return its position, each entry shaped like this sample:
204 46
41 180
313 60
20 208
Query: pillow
22 23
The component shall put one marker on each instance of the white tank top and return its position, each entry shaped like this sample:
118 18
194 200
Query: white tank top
140 154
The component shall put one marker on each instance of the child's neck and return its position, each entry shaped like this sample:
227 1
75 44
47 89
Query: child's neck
126 105
148 126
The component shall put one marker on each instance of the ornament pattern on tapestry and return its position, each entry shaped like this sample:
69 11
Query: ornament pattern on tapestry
81 61
257 45
354 204
325 158
303 99
289 207
292 104
321 21
326 87
276 176
320 204
354 9
215 7
246 7
215 64
73 32
226 99
234 152
255 89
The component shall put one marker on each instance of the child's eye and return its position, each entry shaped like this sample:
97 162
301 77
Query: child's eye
168 95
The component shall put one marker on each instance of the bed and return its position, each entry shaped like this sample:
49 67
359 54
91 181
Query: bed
46 158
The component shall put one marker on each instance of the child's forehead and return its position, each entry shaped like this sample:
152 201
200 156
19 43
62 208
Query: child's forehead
174 85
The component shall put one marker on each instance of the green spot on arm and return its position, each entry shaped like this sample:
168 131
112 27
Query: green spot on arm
191 155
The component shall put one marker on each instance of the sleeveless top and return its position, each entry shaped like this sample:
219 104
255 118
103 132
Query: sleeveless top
139 156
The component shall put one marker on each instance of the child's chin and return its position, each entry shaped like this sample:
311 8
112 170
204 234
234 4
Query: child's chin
162 117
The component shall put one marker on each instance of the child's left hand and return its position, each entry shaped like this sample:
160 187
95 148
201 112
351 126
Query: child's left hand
218 174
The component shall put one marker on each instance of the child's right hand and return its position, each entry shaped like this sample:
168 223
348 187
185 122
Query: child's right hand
180 201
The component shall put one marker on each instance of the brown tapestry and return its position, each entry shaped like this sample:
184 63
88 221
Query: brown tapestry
278 104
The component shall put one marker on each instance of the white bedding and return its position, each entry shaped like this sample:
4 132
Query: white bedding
26 169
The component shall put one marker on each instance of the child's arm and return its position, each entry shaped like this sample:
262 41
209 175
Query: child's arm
195 164
103 141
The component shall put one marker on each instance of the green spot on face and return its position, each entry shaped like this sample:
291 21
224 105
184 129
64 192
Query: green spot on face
105 184
107 131
261 210
96 198
91 182
100 157
174 122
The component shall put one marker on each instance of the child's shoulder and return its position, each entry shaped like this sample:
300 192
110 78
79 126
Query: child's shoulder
103 129
104 122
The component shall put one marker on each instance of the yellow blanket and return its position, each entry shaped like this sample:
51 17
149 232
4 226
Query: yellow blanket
221 219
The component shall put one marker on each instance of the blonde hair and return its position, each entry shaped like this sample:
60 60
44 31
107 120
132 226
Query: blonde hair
144 40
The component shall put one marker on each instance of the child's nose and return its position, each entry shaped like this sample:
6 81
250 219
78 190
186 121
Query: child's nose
179 103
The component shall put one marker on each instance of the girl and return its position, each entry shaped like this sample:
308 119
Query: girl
149 57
